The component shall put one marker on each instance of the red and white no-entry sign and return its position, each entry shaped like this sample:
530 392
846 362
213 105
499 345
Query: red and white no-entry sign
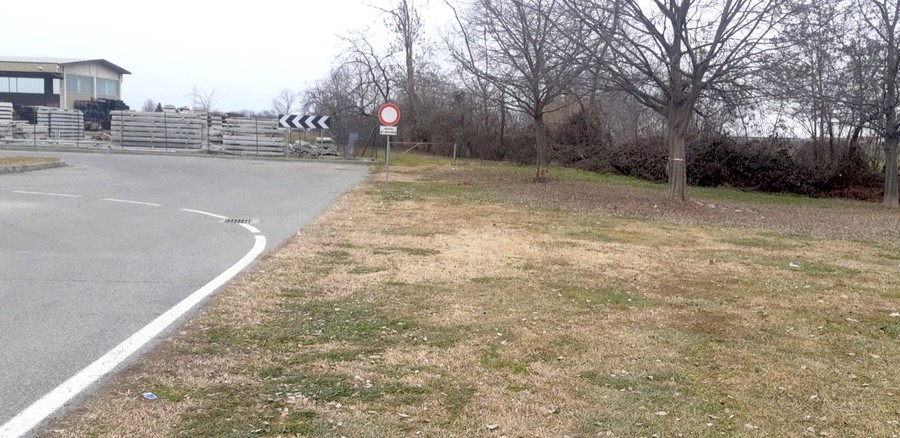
389 114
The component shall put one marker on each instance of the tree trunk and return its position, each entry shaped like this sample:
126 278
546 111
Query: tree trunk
891 189
678 115
411 90
540 141
677 122
502 119
891 130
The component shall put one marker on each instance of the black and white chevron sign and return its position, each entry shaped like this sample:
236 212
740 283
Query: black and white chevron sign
304 122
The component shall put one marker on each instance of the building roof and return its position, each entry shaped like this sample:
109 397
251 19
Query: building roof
61 61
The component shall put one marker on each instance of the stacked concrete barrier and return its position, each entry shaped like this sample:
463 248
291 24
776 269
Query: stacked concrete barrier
158 130
245 136
60 124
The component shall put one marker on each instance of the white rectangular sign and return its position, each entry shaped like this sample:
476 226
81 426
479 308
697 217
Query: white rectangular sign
388 130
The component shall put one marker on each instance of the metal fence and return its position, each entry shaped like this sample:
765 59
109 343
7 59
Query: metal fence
197 130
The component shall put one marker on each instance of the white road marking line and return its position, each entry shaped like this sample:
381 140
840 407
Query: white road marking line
251 228
217 216
62 394
61 195
124 201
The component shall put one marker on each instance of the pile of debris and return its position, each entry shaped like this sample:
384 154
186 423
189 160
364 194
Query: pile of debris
315 150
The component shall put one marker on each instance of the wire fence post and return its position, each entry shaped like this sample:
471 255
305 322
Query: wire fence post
122 130
166 130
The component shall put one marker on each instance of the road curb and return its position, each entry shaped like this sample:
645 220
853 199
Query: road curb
30 167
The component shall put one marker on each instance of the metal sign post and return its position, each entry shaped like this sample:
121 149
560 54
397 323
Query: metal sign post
388 131
389 116
387 161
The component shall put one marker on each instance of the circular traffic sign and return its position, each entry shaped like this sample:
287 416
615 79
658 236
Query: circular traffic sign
389 114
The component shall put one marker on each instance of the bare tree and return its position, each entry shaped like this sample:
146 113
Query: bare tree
803 74
149 106
203 100
519 48
405 21
347 95
882 34
375 66
285 101
669 54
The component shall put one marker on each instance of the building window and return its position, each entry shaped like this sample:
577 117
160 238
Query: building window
56 86
108 88
79 84
21 85
30 85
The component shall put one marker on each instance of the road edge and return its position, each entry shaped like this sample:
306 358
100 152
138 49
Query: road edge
31 167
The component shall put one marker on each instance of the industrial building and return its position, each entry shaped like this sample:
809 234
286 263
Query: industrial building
58 82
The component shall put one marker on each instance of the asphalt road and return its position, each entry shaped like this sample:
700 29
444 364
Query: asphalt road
92 252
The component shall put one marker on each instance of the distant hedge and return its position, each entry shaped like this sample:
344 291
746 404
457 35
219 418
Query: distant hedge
715 161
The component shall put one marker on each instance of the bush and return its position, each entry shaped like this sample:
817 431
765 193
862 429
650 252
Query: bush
715 160
760 166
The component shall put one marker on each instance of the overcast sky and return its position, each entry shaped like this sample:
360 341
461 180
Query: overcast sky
247 51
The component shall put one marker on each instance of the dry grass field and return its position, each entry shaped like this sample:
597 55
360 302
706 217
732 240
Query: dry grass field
468 300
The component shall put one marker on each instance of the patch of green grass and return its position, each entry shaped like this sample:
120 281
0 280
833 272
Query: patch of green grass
725 194
228 412
419 190
528 267
638 398
888 325
518 387
225 336
492 359
815 269
357 322
849 331
895 256
338 257
456 399
175 392
810 268
360 270
446 191
350 320
362 323
650 381
768 242
605 179
398 193
296 292
593 235
421 230
414 158
303 423
269 373
590 297
341 355
568 174
386 250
